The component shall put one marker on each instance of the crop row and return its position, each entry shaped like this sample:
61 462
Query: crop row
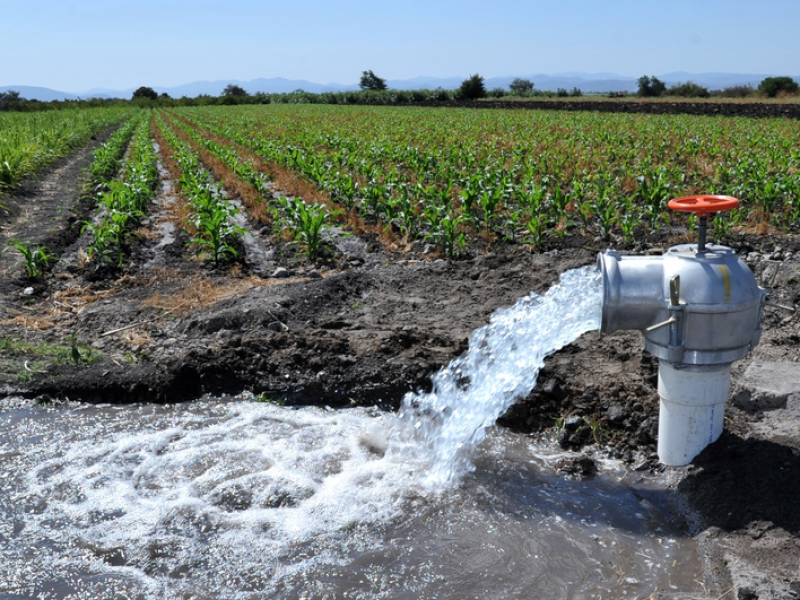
107 158
452 175
298 220
125 198
214 229
29 141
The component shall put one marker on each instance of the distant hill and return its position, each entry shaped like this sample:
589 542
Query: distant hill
586 82
39 93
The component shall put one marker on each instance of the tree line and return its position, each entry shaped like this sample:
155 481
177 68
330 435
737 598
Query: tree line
374 90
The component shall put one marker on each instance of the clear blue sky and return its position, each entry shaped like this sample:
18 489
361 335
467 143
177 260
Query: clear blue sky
76 45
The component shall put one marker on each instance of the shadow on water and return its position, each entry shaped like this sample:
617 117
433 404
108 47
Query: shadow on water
739 481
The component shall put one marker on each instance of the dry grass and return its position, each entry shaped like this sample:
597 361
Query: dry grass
201 292
41 322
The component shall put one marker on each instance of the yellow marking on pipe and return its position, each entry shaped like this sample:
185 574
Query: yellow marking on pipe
726 278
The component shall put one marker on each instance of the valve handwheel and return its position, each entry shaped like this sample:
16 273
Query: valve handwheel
703 205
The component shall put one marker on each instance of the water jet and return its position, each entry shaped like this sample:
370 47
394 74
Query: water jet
699 308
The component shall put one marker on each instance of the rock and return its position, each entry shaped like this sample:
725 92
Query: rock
617 413
572 423
767 385
314 274
576 465
280 273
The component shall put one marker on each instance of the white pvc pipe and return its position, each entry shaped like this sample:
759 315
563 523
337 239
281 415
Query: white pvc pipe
692 409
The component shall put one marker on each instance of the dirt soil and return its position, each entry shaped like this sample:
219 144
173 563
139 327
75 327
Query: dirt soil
366 326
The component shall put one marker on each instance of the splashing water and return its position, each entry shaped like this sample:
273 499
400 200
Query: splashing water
502 364
238 499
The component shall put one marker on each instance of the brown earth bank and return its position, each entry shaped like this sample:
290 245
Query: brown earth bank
365 326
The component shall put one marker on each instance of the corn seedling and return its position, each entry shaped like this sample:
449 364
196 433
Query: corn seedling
36 259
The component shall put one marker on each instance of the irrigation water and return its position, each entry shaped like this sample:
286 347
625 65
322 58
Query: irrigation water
233 498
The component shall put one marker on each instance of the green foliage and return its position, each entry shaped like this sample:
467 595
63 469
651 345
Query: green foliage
146 93
370 81
688 90
215 229
772 86
36 260
108 156
472 88
736 91
69 352
216 233
650 87
31 141
304 221
10 100
234 90
521 87
125 199
465 178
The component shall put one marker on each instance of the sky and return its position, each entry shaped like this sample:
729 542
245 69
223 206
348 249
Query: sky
79 45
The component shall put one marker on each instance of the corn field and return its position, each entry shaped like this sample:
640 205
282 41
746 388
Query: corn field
459 179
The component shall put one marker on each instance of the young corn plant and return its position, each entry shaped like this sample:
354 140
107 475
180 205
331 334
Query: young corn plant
36 259
305 222
216 232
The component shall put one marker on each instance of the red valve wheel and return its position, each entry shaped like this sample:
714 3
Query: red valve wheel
703 205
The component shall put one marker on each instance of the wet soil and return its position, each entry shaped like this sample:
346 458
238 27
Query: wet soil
365 326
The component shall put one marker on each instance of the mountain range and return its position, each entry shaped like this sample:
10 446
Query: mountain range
586 82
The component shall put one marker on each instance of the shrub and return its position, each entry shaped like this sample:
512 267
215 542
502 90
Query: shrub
688 90
736 91
772 86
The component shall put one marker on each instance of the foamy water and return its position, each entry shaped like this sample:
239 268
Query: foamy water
240 499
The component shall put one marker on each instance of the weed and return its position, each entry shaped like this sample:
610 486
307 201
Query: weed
276 400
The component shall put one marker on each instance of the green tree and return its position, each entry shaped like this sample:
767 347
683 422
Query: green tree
370 81
9 100
650 87
772 86
472 88
145 92
521 86
234 90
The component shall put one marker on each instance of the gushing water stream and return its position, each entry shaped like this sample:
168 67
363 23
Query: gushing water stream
237 499
501 365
